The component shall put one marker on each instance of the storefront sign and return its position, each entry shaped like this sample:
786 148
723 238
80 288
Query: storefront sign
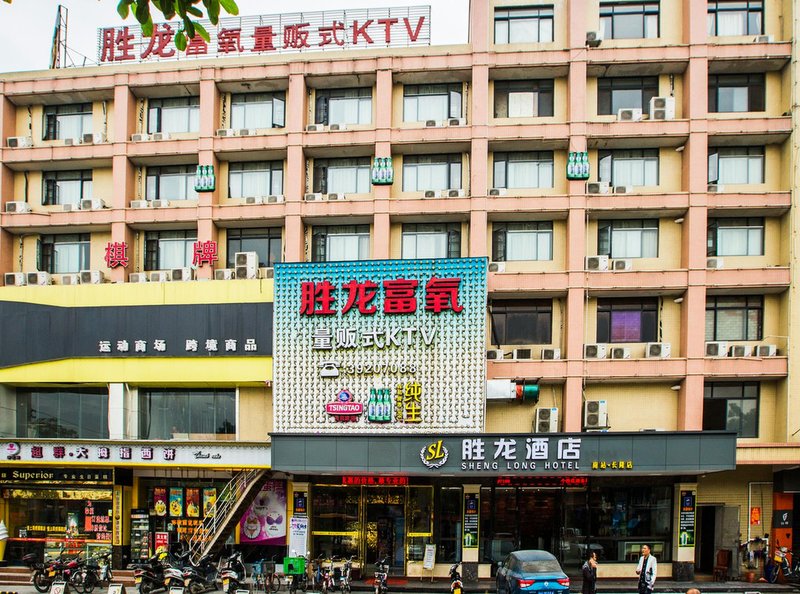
542 481
404 338
471 515
429 560
687 519
272 34
782 518
161 541
298 536
343 409
11 474
300 503
383 481
264 522
35 332
117 515
227 455
755 516
11 450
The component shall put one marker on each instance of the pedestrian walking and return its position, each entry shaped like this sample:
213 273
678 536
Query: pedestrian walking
589 570
647 569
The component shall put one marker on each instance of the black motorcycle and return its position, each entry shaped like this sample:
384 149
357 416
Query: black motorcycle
94 573
201 577
233 573
149 575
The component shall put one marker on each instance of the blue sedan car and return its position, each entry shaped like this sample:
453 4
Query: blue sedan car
533 571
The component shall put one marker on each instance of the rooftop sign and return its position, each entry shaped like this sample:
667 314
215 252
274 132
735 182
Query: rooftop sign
272 34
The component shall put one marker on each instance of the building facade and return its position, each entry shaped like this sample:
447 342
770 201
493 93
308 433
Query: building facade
625 173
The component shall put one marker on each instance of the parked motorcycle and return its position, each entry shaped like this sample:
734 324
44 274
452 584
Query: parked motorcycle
382 576
326 581
201 577
93 573
40 572
344 578
786 562
173 572
149 575
233 573
456 586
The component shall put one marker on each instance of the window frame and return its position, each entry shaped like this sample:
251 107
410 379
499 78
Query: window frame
270 168
51 394
542 107
540 309
51 120
321 182
450 231
156 109
608 85
751 224
188 172
270 235
540 160
275 99
754 82
606 158
153 247
717 7
708 395
645 8
453 92
647 307
173 401
321 233
619 225
716 154
324 98
48 251
500 243
51 189
542 18
749 304
453 162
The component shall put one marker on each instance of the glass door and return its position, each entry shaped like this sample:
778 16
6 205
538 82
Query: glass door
385 528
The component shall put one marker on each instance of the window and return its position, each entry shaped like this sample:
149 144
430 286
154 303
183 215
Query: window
171 183
735 17
523 170
63 254
431 240
165 250
67 121
625 92
265 242
731 93
344 106
66 187
523 24
345 176
629 20
734 318
628 238
187 414
336 243
736 237
259 178
431 102
258 110
523 98
521 322
431 172
627 320
522 241
731 407
633 167
180 114
62 414
736 165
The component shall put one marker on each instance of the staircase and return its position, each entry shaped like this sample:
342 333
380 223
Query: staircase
210 536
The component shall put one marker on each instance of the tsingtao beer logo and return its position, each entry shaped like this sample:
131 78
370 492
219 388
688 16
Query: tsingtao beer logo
434 455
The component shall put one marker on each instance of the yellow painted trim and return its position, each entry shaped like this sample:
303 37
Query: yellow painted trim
134 466
162 372
326 533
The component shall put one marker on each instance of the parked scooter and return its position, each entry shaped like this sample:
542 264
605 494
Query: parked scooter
201 577
173 572
148 576
93 573
786 562
326 584
382 576
344 578
233 573
456 587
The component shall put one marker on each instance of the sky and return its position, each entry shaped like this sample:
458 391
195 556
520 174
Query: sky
26 26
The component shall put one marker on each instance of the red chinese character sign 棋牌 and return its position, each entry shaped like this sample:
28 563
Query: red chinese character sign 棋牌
116 254
204 252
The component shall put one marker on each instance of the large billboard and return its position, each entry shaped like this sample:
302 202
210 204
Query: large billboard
381 346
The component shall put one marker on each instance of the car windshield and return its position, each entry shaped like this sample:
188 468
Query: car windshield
541 566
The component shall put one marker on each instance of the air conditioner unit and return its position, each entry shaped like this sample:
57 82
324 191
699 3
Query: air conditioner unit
715 263
311 197
246 265
551 354
161 136
182 274
254 200
432 123
662 108
140 204
625 264
266 272
497 267
595 351
160 203
142 137
546 420
596 263
623 189
316 128
337 196
740 350
18 206
716 188
595 414
19 142
430 193
15 279
248 132
658 350
763 39
494 355
72 141
597 187
337 127
224 274
138 277
501 389
70 206
96 138
521 354
457 122
39 278
594 38
629 114
224 132
765 350
620 353
92 204
716 349
451 193
497 192
71 279
91 277
160 276
274 199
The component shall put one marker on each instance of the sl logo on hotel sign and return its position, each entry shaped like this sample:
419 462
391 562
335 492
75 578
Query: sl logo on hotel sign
434 455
